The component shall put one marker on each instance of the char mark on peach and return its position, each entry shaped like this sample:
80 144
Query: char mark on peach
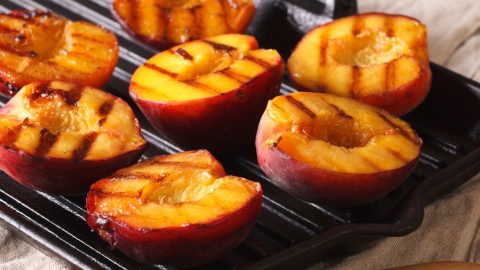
278 107
400 129
47 140
102 121
219 47
86 56
323 49
258 61
163 19
18 53
389 27
8 30
340 111
184 54
397 155
356 75
106 108
161 70
371 163
102 194
82 151
176 163
202 86
390 75
44 90
358 25
136 175
73 96
237 77
135 13
90 39
301 106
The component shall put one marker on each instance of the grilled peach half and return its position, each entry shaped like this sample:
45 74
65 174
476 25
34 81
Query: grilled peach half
178 209
376 58
208 93
334 150
166 23
60 137
37 46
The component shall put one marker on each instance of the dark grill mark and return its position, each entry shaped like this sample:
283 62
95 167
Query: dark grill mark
278 107
135 13
136 85
104 111
397 155
45 91
102 194
356 75
390 75
106 108
82 151
389 27
19 38
47 140
339 111
184 54
172 163
16 52
301 106
237 77
220 47
102 121
224 13
159 69
136 175
358 25
7 30
73 96
91 39
258 61
197 22
371 163
164 19
202 86
323 49
86 56
400 129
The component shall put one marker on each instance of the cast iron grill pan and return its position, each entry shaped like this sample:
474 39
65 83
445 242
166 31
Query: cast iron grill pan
289 232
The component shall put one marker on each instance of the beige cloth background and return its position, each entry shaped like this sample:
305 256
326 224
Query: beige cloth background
450 228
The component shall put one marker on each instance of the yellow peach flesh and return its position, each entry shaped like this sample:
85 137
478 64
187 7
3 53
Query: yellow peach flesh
210 71
343 135
115 132
158 194
49 47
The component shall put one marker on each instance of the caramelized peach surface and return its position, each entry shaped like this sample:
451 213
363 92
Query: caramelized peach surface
172 209
60 122
164 23
376 58
208 93
37 46
202 69
331 149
